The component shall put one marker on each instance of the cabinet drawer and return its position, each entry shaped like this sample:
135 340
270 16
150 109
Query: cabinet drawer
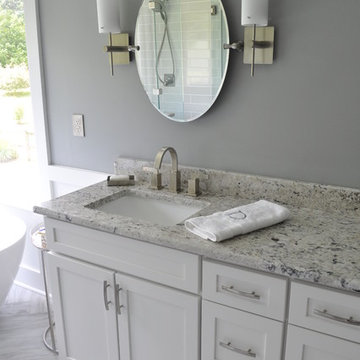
261 294
302 344
230 334
167 266
324 310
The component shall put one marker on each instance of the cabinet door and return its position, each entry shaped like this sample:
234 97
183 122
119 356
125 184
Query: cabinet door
305 344
157 322
230 334
86 329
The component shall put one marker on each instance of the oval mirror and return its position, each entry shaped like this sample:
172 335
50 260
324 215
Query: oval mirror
181 61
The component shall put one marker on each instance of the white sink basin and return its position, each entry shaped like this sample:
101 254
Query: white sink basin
165 210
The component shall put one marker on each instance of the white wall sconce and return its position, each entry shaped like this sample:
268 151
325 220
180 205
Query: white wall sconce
258 44
108 12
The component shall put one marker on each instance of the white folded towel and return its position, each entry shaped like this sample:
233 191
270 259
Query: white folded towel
240 220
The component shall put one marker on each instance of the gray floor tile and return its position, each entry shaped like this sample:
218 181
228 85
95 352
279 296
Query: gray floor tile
23 319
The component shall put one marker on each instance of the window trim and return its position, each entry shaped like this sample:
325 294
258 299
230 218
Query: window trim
38 94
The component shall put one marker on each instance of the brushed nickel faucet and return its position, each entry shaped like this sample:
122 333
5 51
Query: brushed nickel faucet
156 182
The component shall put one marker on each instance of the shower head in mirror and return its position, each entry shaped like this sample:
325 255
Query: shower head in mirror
182 63
157 5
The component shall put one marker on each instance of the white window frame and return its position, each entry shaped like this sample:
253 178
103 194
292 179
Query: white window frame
50 174
33 44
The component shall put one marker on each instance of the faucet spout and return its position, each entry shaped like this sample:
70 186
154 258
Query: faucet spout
175 178
160 155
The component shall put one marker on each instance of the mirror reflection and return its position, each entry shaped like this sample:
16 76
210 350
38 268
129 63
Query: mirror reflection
181 61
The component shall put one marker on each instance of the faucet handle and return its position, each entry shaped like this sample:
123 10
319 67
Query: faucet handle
194 187
175 181
155 182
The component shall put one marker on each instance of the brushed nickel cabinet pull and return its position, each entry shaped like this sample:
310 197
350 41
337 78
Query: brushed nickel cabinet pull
237 350
231 290
106 301
324 313
117 299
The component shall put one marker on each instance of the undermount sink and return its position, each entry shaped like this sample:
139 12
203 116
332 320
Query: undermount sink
162 209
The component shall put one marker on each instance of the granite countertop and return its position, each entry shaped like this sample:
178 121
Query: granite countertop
319 243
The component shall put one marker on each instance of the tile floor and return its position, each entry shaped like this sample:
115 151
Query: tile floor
23 319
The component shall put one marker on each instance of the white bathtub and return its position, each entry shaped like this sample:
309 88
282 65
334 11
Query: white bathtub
12 242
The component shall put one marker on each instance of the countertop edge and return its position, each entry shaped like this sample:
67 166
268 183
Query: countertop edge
312 277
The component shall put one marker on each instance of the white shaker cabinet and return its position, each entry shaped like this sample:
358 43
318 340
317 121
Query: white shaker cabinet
234 326
323 324
245 290
156 322
107 315
303 344
117 298
230 334
327 311
84 309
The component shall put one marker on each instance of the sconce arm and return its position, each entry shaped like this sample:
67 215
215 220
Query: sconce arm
238 46
133 48
129 48
262 44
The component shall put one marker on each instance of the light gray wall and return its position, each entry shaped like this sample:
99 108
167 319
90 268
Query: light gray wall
297 119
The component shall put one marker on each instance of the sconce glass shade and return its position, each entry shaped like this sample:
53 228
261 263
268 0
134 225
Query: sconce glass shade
254 12
108 16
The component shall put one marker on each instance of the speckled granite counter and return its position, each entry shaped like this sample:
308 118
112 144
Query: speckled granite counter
320 243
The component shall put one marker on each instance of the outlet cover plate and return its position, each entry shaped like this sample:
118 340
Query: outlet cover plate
78 125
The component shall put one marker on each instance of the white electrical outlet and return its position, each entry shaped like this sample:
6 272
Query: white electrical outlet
78 125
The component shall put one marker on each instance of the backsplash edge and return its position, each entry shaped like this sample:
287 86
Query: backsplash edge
254 187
